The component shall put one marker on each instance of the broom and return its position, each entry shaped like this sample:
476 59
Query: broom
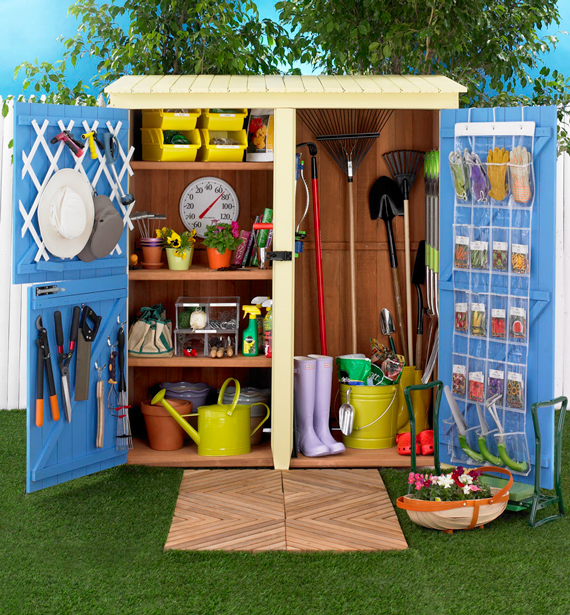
347 135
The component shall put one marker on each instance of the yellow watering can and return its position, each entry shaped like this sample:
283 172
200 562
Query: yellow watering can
222 429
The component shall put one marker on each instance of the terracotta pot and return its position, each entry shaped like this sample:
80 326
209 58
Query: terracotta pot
461 515
164 433
217 260
152 254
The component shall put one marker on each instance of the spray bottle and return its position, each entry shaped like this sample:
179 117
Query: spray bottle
258 301
250 346
268 328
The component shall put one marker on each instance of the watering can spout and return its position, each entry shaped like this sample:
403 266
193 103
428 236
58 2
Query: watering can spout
159 399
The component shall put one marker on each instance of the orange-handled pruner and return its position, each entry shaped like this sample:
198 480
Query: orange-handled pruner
44 361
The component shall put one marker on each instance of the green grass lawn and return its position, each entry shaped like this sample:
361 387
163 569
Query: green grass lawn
94 546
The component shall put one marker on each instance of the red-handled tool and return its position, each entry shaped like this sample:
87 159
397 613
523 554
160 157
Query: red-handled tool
75 146
44 362
64 358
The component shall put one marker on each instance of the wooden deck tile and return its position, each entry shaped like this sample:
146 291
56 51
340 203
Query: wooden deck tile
295 510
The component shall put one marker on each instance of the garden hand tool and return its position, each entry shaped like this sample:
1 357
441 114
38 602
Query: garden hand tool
404 166
111 154
479 179
91 137
346 416
112 396
517 466
385 201
64 358
520 173
124 435
86 336
485 431
387 327
459 175
461 427
44 362
75 146
497 160
100 407
418 278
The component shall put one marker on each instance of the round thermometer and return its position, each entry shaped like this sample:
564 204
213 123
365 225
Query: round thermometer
205 200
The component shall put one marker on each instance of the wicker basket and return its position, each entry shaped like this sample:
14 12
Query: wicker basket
462 515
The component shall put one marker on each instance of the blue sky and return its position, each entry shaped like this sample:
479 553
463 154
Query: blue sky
45 20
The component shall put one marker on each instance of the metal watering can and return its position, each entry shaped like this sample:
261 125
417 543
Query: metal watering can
222 429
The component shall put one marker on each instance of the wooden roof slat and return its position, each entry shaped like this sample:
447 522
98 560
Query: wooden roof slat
125 84
201 84
146 84
163 86
275 83
182 86
256 83
220 83
330 83
312 83
293 83
238 83
348 84
385 84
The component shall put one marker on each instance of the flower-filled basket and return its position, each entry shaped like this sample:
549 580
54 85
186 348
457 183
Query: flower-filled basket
455 501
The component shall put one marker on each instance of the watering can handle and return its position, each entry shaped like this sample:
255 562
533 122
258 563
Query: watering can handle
236 396
260 424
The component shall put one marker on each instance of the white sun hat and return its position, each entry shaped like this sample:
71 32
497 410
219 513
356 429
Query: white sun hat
66 213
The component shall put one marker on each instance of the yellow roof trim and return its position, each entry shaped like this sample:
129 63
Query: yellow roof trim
290 91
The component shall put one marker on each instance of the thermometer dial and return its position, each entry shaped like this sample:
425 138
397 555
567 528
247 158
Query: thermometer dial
205 200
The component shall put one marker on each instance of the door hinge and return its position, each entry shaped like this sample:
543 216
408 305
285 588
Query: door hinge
280 256
52 289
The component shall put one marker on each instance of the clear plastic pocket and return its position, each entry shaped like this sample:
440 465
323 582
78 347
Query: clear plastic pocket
459 175
515 387
459 376
497 166
500 250
498 317
518 314
476 380
496 382
461 247
521 181
479 315
520 252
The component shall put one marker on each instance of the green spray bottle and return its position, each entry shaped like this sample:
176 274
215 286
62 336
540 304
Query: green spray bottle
250 347
258 301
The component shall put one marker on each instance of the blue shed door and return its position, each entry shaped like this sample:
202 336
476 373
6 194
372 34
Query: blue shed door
524 227
61 450
36 159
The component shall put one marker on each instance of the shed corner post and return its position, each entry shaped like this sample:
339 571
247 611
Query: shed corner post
283 287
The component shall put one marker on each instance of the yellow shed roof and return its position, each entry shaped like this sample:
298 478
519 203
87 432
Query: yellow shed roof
290 91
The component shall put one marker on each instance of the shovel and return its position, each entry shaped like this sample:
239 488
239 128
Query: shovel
461 427
517 466
346 416
485 431
386 202
387 326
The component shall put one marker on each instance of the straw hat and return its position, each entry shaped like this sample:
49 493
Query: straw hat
66 213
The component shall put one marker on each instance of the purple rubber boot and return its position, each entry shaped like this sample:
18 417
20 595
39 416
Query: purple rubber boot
323 390
305 379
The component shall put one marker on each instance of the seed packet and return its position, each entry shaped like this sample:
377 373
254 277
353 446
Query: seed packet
495 383
514 390
479 254
462 252
500 252
461 317
458 380
498 326
517 323
476 386
478 320
519 258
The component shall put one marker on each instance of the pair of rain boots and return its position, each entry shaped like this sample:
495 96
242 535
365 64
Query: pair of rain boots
313 385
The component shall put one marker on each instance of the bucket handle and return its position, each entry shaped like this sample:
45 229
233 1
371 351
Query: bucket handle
266 417
233 405
383 413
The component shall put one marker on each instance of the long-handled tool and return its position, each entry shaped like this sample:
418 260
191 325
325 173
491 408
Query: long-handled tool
419 278
124 436
87 333
111 154
461 427
348 136
64 358
404 166
44 362
517 466
485 431
385 202
318 250
387 327
99 441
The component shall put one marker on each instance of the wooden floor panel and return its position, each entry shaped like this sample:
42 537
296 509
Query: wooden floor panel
294 510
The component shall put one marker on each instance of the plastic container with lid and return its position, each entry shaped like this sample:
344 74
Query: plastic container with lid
251 396
195 392
209 152
154 147
170 119
222 119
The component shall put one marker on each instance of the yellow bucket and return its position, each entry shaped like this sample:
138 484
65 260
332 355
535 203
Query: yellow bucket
420 402
375 416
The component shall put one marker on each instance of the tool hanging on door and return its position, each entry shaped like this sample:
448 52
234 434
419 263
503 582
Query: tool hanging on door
313 150
44 362
347 135
86 336
74 145
404 166
111 155
100 439
124 435
64 358
91 138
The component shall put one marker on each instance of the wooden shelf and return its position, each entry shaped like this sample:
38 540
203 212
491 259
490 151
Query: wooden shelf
141 165
361 458
187 457
199 272
239 361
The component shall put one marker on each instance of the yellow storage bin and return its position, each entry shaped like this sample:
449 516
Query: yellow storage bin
222 153
230 119
154 148
170 119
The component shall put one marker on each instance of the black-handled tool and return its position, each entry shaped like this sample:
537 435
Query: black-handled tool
64 358
122 387
88 327
44 362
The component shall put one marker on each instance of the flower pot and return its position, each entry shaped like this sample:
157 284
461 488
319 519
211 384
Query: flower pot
458 515
179 263
152 255
217 260
164 433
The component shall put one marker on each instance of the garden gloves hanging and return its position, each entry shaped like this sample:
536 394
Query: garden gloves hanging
497 160
479 180
520 174
459 174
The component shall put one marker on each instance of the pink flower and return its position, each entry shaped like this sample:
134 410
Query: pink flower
474 488
235 229
411 478
419 485
433 479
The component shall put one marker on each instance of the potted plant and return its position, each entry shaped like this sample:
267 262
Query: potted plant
458 500
179 248
220 239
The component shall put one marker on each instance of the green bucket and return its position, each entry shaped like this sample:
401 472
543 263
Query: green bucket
375 416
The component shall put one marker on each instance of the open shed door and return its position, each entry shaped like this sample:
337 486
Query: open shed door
515 281
62 449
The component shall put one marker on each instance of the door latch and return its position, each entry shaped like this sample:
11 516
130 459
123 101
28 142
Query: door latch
280 256
52 289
